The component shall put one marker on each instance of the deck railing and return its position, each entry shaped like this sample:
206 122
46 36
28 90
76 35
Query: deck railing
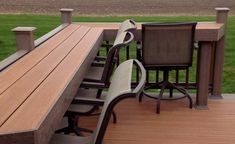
189 79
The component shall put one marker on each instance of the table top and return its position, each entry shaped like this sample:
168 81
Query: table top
205 31
36 90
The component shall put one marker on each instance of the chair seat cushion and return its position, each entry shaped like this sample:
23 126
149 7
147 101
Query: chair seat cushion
94 73
79 108
68 139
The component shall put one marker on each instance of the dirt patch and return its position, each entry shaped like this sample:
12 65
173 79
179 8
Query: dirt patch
117 7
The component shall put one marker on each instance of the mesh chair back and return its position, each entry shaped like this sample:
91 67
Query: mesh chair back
168 44
122 40
119 89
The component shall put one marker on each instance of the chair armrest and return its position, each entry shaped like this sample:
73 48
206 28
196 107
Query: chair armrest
88 101
139 88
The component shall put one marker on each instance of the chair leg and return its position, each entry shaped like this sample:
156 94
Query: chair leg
171 93
141 96
73 128
185 93
160 97
99 92
69 128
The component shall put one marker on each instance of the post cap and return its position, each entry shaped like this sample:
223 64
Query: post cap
66 10
23 29
225 9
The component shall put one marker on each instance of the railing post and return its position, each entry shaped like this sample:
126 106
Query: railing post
24 38
221 17
66 15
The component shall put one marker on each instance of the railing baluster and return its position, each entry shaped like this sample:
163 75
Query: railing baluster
147 76
187 78
157 76
177 77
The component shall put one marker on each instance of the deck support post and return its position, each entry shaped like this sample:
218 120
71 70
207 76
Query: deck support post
203 74
66 15
221 17
24 38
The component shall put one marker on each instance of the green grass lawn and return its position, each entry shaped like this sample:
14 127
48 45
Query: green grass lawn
46 23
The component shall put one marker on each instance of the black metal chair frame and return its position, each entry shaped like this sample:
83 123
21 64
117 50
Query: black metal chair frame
166 68
109 103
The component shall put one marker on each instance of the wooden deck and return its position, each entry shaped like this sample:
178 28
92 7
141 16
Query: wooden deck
177 124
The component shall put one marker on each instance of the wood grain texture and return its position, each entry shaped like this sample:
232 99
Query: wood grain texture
11 59
22 66
204 31
15 95
52 98
26 136
138 123
50 34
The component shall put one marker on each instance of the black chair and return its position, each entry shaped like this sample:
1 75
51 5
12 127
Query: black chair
97 79
166 47
120 88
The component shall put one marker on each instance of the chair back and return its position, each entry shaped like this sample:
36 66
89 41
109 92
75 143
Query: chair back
120 88
168 44
127 25
122 40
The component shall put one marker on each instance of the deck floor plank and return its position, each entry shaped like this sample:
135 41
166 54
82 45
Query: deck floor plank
177 124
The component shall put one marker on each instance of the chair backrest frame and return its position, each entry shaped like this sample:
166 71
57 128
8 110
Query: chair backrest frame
112 100
127 25
126 39
156 28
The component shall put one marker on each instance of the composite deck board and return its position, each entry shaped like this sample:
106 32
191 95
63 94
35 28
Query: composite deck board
115 26
47 95
17 93
205 31
139 124
22 66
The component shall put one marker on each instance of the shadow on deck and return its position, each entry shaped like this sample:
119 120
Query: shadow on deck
177 124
